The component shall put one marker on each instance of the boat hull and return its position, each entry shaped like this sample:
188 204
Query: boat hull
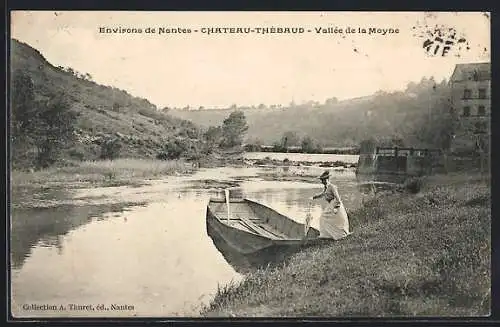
245 250
241 241
247 262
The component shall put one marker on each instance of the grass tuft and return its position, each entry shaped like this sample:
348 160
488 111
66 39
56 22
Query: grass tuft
413 185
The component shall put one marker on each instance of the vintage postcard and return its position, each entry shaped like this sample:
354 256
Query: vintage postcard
250 164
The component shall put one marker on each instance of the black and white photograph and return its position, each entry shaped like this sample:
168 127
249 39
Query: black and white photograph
257 164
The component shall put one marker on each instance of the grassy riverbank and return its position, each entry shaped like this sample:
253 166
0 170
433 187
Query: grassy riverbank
419 254
100 173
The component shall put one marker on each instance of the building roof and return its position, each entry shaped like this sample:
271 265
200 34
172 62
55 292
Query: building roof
472 71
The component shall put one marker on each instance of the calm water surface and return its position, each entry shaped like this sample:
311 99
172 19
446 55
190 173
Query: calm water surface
145 247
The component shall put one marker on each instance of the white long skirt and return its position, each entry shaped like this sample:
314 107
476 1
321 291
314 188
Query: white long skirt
334 222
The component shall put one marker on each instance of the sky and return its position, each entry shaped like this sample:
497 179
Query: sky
217 70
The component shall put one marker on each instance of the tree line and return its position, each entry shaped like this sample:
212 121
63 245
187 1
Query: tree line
420 116
289 140
84 76
41 128
229 135
306 104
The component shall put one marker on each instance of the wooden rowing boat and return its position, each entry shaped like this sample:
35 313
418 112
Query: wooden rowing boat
253 229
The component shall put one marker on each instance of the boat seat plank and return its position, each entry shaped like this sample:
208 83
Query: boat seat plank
260 230
239 224
273 231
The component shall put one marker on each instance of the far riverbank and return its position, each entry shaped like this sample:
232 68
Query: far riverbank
102 173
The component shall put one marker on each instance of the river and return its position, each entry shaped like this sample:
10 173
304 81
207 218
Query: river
303 157
145 247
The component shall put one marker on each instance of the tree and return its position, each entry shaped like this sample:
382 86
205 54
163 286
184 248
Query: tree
256 141
212 139
331 101
308 145
173 149
23 106
234 128
391 141
23 119
213 135
254 144
44 125
436 128
55 129
290 138
278 147
110 148
116 106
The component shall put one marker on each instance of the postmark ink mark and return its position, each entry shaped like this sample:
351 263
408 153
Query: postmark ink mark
441 41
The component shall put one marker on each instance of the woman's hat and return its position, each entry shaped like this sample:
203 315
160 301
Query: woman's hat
325 175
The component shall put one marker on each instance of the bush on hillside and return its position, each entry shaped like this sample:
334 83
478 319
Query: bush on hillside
76 154
173 149
110 148
116 107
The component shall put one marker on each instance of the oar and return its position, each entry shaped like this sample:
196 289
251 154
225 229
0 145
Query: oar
307 221
227 204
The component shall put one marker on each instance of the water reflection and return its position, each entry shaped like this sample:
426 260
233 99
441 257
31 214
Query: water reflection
28 197
157 259
245 264
46 227
53 241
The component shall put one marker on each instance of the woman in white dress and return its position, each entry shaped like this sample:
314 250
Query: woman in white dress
334 222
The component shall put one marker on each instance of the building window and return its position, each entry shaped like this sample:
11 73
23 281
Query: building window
467 94
466 111
475 75
481 111
482 93
480 128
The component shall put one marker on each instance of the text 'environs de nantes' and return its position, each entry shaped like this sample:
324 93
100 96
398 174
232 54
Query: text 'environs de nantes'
249 30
